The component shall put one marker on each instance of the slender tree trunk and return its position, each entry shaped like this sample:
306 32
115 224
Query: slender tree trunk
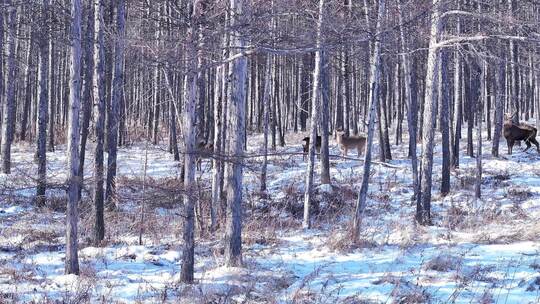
87 97
469 104
42 105
217 163
458 110
190 133
499 92
384 119
74 178
28 86
266 114
325 115
8 123
411 101
314 121
514 75
233 229
479 108
99 93
444 98
374 85
52 96
423 215
116 95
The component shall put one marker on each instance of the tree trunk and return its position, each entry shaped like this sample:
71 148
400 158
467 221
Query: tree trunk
87 97
374 84
8 123
423 214
99 93
314 121
74 178
410 96
325 115
238 72
28 86
458 109
189 134
499 92
479 108
444 98
42 105
266 114
116 95
52 96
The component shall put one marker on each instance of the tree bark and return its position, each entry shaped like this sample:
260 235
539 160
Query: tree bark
87 97
266 114
499 107
42 105
374 84
423 214
411 101
116 95
444 98
306 224
8 123
479 108
74 178
233 229
325 115
190 133
99 93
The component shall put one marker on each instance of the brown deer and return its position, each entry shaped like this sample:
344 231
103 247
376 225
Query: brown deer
204 150
516 132
305 145
345 143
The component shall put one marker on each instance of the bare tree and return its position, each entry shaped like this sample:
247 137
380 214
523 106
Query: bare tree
99 93
266 115
374 85
43 104
189 133
8 122
315 108
74 178
423 213
233 229
117 88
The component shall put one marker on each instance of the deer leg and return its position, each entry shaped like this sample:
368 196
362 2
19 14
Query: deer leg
533 140
510 143
528 143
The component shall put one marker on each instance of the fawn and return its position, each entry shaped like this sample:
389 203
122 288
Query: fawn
350 142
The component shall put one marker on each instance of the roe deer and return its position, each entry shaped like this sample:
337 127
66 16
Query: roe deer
204 150
350 142
305 145
516 132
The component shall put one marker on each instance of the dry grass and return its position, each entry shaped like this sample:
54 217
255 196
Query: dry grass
443 263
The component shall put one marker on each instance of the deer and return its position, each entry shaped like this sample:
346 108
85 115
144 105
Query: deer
345 143
204 150
515 132
305 145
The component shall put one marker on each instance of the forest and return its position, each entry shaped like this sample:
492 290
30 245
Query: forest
269 151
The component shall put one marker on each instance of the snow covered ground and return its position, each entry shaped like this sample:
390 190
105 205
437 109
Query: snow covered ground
485 251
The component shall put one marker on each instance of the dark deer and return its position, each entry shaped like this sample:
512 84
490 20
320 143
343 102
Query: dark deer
204 150
516 132
305 145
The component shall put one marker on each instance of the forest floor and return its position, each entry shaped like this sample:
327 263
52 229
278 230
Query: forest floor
476 251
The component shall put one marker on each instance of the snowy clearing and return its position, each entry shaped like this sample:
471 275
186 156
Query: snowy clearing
482 252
